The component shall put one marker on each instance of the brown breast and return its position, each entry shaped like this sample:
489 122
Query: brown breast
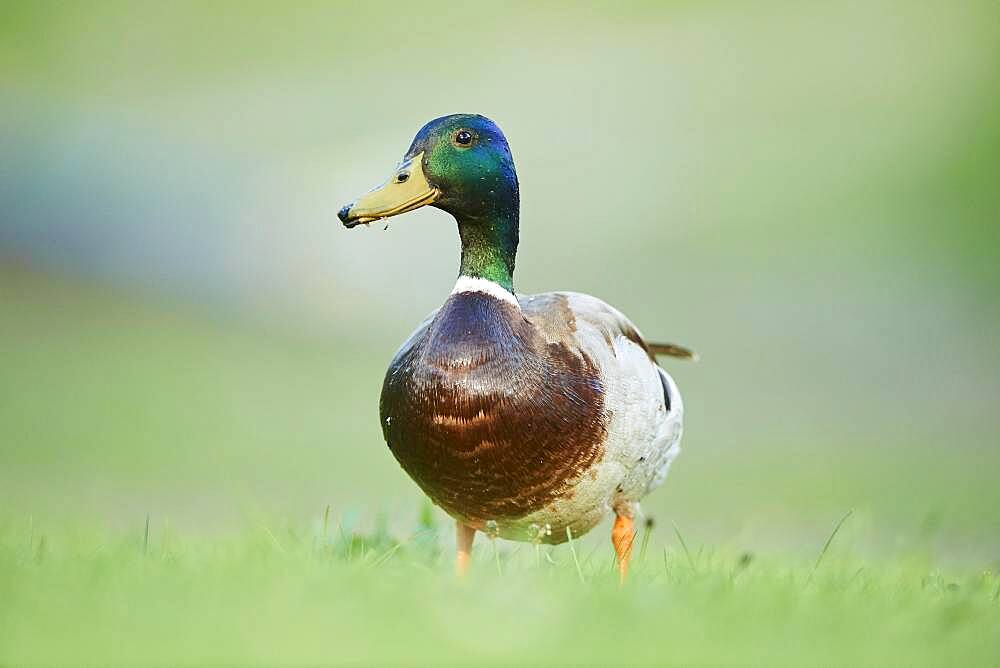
491 421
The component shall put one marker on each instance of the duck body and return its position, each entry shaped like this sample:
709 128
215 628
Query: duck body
524 416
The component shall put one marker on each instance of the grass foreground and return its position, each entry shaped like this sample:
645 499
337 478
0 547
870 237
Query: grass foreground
114 407
327 595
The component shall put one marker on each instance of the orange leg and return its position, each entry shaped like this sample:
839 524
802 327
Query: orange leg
464 536
622 537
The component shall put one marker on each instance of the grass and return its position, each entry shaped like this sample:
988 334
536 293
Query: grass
323 596
118 414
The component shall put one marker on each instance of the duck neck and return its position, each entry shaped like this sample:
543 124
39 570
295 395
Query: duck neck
489 246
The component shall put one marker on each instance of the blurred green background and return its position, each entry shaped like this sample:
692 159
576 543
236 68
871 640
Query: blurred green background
806 193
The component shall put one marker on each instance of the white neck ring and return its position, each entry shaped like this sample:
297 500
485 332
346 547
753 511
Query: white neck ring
470 284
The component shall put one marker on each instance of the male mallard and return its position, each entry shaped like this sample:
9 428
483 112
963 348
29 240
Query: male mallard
528 417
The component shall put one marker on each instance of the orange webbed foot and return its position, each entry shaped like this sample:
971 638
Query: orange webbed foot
622 537
464 535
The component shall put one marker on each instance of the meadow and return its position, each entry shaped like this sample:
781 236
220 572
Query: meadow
309 597
192 347
208 523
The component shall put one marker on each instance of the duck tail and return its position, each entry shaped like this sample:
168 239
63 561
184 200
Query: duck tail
673 350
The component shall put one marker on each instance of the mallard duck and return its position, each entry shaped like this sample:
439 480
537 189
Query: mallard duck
526 417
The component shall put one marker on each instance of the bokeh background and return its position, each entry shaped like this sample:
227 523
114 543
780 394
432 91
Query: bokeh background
806 193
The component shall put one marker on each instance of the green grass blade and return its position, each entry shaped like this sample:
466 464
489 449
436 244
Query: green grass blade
826 546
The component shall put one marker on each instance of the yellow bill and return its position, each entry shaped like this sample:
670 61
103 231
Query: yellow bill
407 189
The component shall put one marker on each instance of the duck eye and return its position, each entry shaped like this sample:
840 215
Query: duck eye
463 137
401 178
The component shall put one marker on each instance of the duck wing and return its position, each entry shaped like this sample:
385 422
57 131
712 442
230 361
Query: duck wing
557 312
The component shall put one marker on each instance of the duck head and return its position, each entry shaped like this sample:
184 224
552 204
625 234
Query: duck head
459 163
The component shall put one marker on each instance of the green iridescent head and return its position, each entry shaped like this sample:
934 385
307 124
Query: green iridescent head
461 164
